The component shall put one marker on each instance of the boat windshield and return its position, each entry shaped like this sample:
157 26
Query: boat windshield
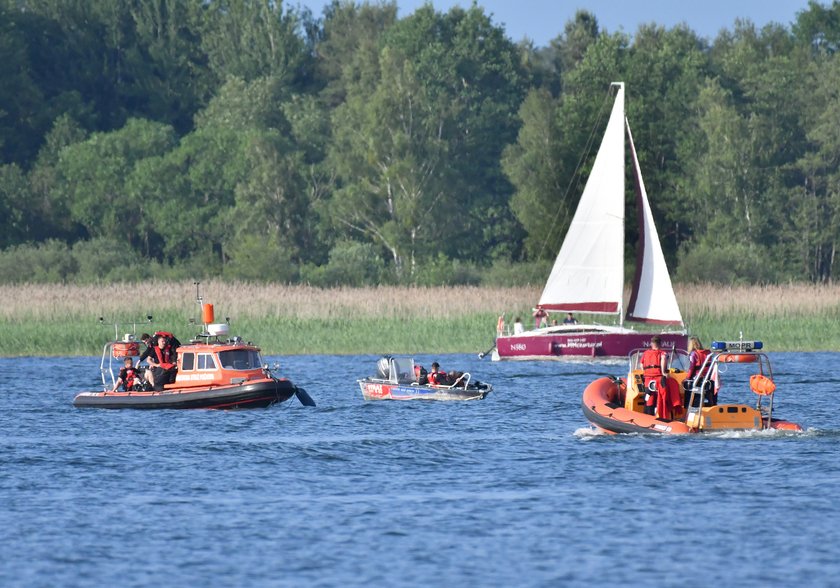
402 370
240 359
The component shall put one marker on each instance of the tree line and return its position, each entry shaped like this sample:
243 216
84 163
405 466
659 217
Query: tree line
254 140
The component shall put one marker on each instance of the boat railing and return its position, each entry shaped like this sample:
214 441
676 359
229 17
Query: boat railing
462 381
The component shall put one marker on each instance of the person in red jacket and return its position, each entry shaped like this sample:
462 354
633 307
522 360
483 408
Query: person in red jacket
164 364
696 369
654 366
438 377
127 377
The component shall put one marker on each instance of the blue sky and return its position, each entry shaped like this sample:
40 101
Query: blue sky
542 20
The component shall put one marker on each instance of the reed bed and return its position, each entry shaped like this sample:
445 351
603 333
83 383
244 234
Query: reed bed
64 319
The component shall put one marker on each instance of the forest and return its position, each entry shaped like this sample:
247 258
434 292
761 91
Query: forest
253 140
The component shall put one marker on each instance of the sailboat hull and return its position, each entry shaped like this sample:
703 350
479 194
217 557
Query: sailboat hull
580 342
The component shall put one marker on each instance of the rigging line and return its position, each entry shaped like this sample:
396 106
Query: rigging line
576 174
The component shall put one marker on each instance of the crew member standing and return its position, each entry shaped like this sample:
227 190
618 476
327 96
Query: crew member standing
654 364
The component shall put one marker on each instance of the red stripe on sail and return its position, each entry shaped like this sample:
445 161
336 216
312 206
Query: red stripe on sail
651 321
583 307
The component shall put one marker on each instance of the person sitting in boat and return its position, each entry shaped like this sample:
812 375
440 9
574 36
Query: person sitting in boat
570 319
128 377
421 375
438 377
518 327
164 364
457 379
662 396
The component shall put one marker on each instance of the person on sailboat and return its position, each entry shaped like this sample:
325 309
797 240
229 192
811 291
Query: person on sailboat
570 319
518 327
540 318
500 325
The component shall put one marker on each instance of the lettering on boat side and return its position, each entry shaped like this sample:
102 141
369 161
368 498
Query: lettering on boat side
518 347
374 390
195 377
580 343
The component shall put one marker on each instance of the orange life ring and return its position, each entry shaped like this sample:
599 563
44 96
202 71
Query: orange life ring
736 358
126 349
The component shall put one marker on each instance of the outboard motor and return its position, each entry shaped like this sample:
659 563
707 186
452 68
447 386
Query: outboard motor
383 367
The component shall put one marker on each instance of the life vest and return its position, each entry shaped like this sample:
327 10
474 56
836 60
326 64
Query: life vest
164 357
130 376
170 338
700 358
652 363
437 378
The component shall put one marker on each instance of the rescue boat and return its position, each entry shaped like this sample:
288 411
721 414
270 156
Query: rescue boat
214 370
397 379
616 405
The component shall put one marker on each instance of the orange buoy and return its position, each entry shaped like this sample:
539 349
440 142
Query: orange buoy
207 315
762 385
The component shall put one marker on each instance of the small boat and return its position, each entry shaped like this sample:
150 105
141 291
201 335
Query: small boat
214 371
588 274
397 379
616 405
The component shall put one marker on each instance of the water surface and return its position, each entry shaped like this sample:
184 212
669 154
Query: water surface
514 490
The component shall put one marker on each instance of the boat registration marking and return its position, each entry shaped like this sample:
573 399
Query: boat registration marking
518 347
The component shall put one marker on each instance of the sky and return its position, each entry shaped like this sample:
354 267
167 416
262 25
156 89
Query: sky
542 20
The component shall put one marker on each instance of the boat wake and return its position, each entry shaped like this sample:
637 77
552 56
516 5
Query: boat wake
586 433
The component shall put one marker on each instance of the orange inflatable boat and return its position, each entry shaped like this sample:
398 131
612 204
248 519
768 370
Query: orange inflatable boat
616 405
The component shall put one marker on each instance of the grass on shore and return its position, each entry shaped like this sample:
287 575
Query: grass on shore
64 319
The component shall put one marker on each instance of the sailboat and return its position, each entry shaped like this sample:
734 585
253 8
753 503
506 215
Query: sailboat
588 274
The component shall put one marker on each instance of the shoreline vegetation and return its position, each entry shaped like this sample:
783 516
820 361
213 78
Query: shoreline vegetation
53 320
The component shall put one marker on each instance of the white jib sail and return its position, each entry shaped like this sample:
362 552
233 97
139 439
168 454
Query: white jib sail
588 274
653 298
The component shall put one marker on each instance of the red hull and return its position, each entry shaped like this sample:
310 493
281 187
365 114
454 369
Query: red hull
580 344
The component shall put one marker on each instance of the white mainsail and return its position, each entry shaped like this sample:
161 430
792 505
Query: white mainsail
588 274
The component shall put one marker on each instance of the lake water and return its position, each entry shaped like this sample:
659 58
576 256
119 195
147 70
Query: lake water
514 490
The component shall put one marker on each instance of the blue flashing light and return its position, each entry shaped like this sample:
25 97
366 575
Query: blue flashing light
736 345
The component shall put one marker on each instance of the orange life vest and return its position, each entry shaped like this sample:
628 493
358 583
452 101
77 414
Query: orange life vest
164 357
652 363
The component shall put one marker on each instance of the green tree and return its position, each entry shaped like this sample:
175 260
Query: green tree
250 39
417 153
94 172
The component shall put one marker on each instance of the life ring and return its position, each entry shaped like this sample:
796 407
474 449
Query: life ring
126 349
736 358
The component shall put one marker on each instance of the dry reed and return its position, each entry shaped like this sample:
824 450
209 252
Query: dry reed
255 300
278 301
